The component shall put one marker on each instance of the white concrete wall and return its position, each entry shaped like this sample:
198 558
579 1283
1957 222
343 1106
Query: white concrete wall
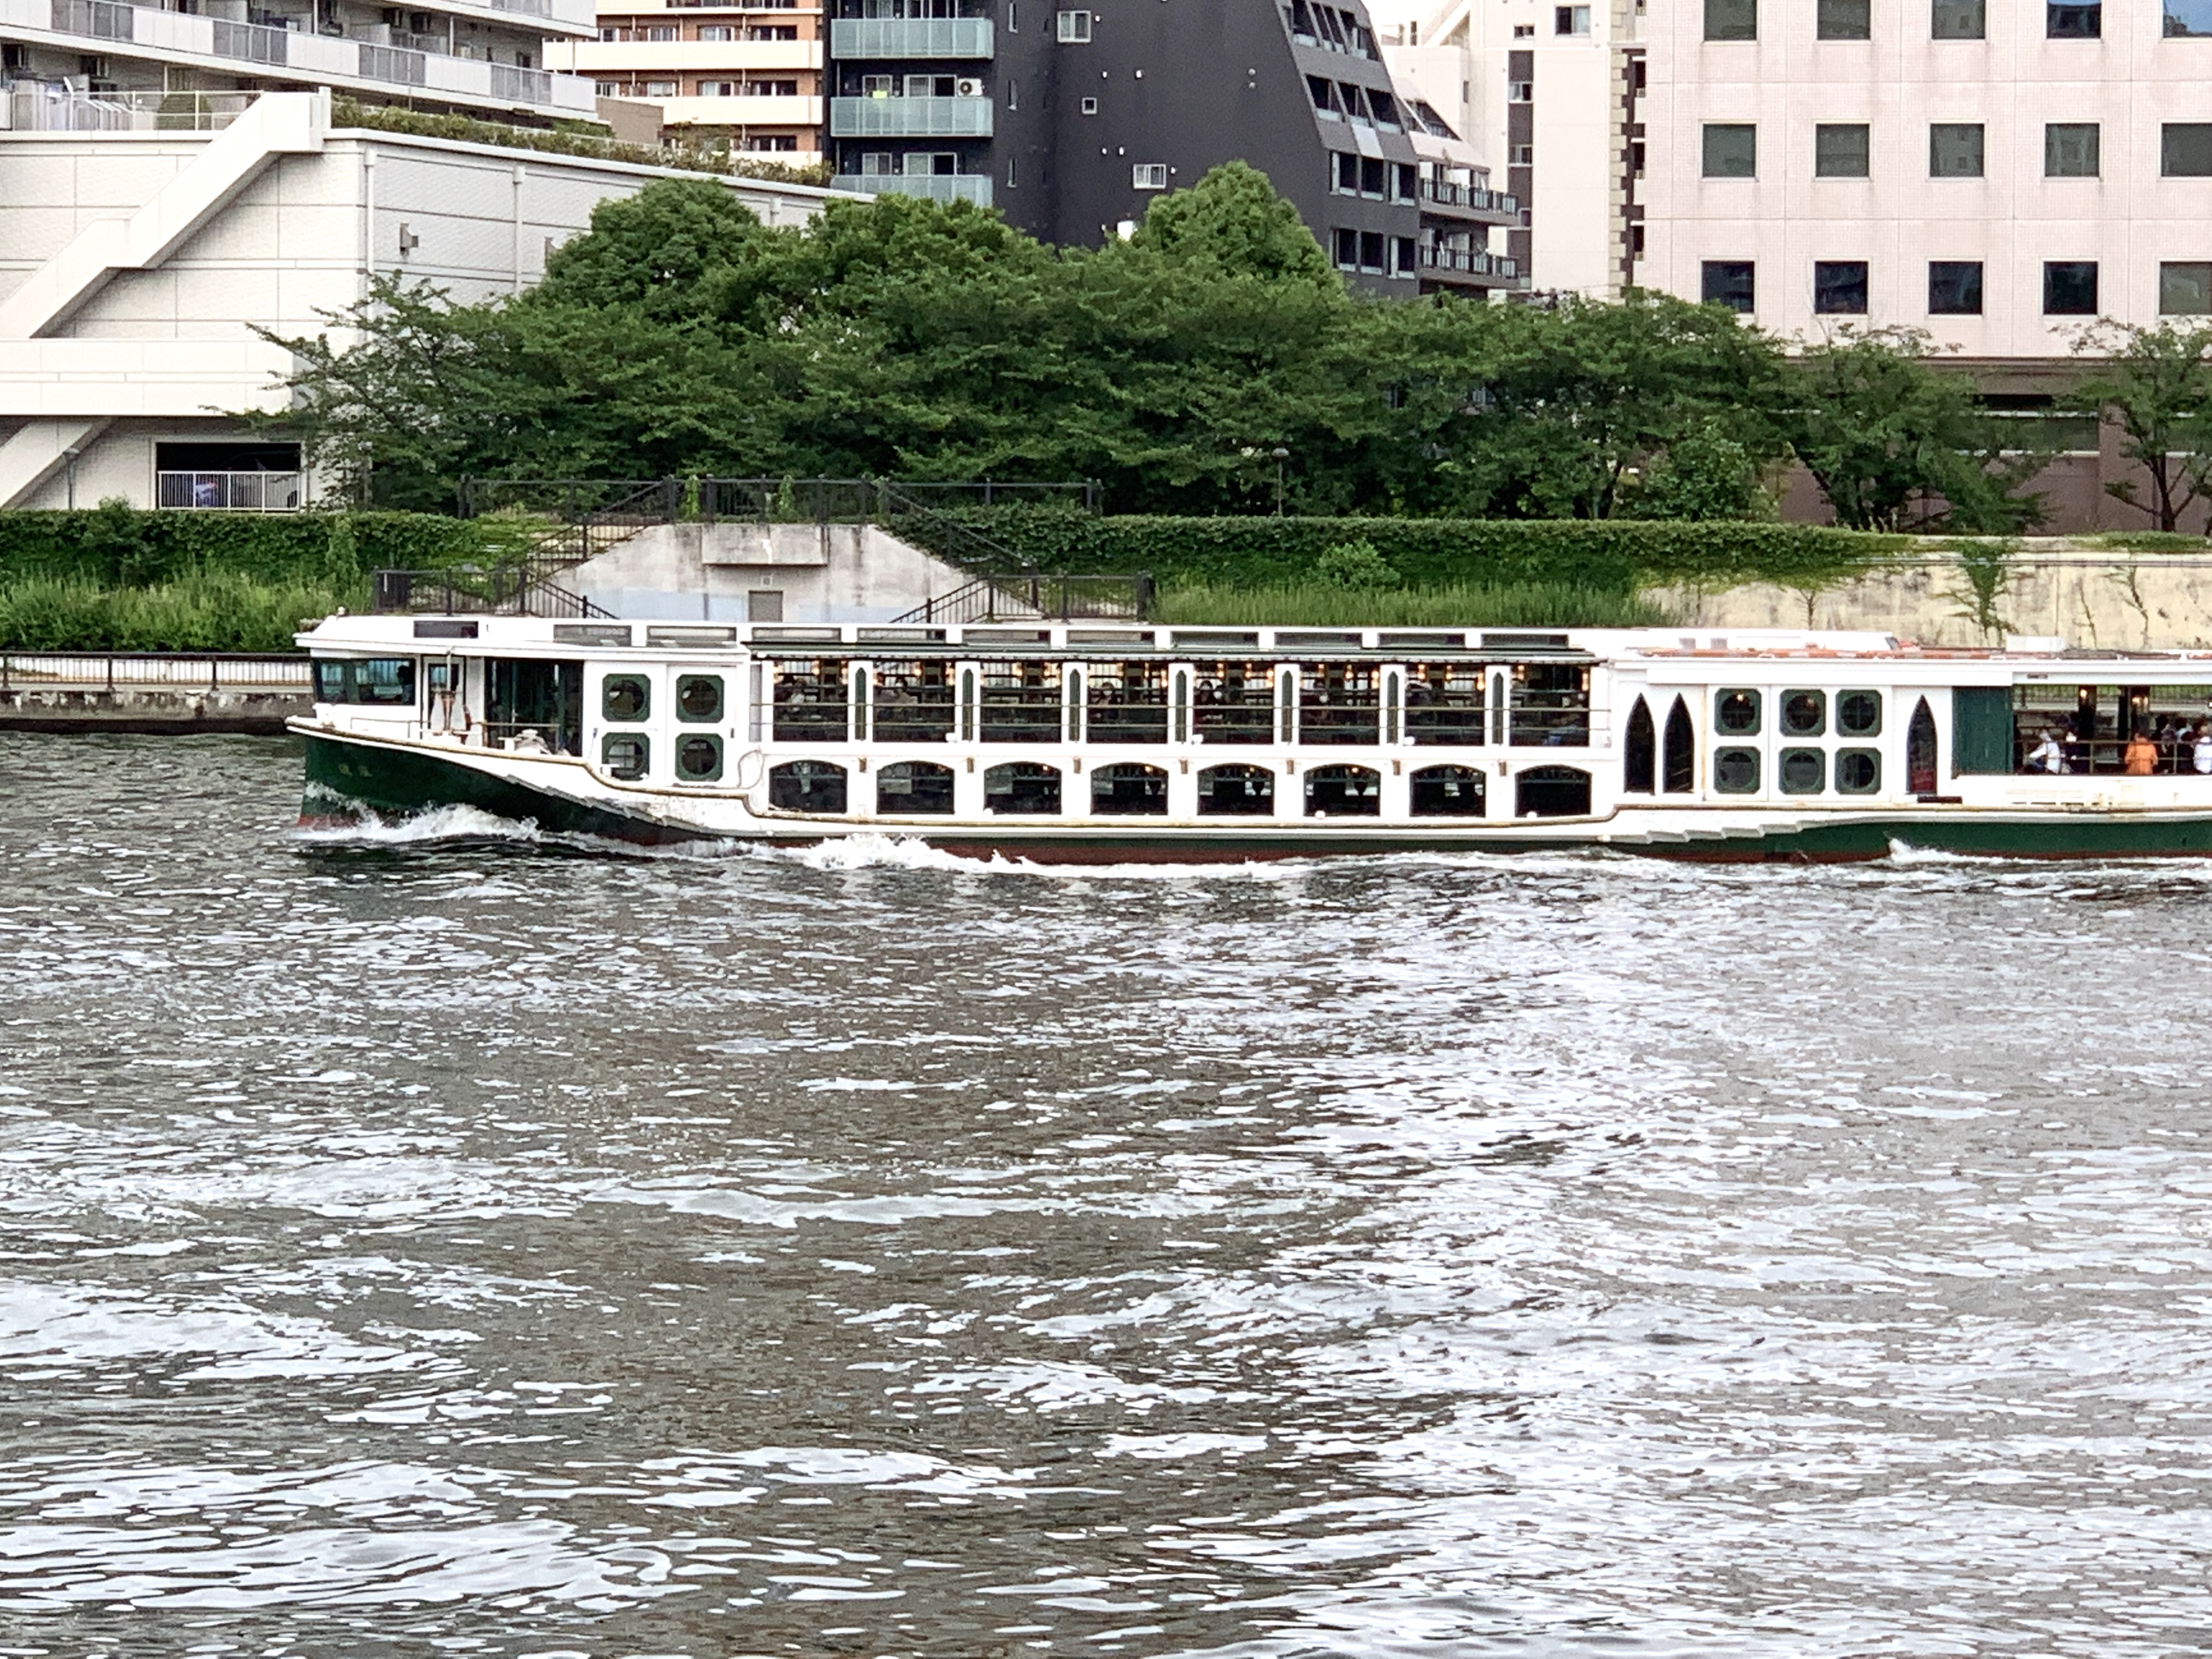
1900 81
824 572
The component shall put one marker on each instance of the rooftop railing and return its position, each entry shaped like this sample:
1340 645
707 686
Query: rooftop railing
43 106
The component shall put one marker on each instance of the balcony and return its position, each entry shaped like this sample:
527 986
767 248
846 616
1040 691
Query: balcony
1492 207
36 106
1448 263
911 37
936 186
911 117
230 492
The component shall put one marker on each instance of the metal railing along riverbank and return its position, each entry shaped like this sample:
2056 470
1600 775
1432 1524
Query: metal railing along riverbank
116 671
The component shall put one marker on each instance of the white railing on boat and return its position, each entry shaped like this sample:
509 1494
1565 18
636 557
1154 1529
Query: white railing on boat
213 671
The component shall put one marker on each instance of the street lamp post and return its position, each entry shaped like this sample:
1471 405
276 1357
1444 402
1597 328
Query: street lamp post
1281 455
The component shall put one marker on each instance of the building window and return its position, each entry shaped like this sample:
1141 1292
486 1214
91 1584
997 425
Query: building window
2185 149
1839 288
1844 20
718 88
660 33
2069 20
716 32
1958 20
1149 175
1090 106
1731 20
1346 249
2185 18
1728 282
660 88
1954 149
1371 250
1571 20
1523 31
2071 150
2069 288
1075 26
1954 287
1408 258
1731 151
1404 182
607 89
1520 92
1840 150
1521 156
2184 290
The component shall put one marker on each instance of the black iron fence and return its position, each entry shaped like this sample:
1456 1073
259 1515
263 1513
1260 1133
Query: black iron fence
1033 596
468 590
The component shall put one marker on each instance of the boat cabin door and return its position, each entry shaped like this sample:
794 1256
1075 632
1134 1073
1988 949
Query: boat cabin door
532 701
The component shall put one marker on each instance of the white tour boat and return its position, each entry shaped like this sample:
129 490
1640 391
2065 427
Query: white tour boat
1117 741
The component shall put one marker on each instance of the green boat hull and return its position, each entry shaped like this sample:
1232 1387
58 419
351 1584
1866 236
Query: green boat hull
345 777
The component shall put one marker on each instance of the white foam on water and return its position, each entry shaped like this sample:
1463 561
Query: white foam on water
46 1328
439 823
870 851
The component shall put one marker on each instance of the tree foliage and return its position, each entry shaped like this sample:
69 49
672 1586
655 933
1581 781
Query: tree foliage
909 338
2156 384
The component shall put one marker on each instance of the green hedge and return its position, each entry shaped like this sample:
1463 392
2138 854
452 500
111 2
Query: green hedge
1256 552
112 545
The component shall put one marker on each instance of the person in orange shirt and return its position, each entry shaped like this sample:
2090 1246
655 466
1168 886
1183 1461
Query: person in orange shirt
2141 758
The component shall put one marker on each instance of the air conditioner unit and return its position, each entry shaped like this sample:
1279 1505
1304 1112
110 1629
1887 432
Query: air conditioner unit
969 88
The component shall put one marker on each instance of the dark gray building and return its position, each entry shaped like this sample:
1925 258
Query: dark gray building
1072 121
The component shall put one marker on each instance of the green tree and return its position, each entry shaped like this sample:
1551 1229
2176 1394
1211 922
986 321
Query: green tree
2156 383
1896 444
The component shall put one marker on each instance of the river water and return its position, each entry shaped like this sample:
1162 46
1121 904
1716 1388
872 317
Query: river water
459 1243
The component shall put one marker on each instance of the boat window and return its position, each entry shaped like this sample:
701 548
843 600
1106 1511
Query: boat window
756 706
1229 702
1443 703
1801 771
809 700
1679 771
444 673
1447 791
860 705
1497 708
1552 792
1804 714
1391 700
914 788
1344 792
1129 703
1858 713
1022 787
625 755
1639 752
1735 771
1858 771
1235 791
807 787
1126 787
1550 704
625 697
967 705
699 698
698 758
1340 702
1075 705
1736 714
1920 752
386 681
534 701
914 701
1021 703
1183 705
1287 707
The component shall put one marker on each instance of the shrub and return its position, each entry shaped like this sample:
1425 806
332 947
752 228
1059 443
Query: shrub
116 544
1513 605
221 612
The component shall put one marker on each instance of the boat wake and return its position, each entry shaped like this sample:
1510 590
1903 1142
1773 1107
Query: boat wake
362 828
868 851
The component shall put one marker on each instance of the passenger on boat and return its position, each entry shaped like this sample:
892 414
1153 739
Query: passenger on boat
2139 759
2050 755
2200 749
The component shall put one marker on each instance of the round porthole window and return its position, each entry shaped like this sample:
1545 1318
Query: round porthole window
625 697
1736 712
1804 714
699 759
1802 771
1735 771
623 755
1858 713
1858 771
699 697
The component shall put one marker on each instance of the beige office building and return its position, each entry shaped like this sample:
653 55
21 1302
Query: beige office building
750 74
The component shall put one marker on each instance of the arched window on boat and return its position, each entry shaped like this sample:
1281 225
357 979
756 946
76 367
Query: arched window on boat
1183 705
1639 752
698 757
1447 791
860 703
699 699
1344 792
1127 788
967 705
1497 708
1552 792
1235 791
1393 696
913 788
810 701
625 755
1022 787
1129 703
1075 705
1286 706
625 697
807 787
1920 768
1678 772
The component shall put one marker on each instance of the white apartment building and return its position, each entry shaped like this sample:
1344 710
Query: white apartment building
1999 173
1542 91
747 72
135 266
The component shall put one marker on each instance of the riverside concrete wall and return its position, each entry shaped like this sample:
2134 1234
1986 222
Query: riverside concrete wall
793 572
150 708
2088 596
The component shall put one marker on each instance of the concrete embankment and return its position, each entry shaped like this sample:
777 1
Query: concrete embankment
151 692
1978 592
